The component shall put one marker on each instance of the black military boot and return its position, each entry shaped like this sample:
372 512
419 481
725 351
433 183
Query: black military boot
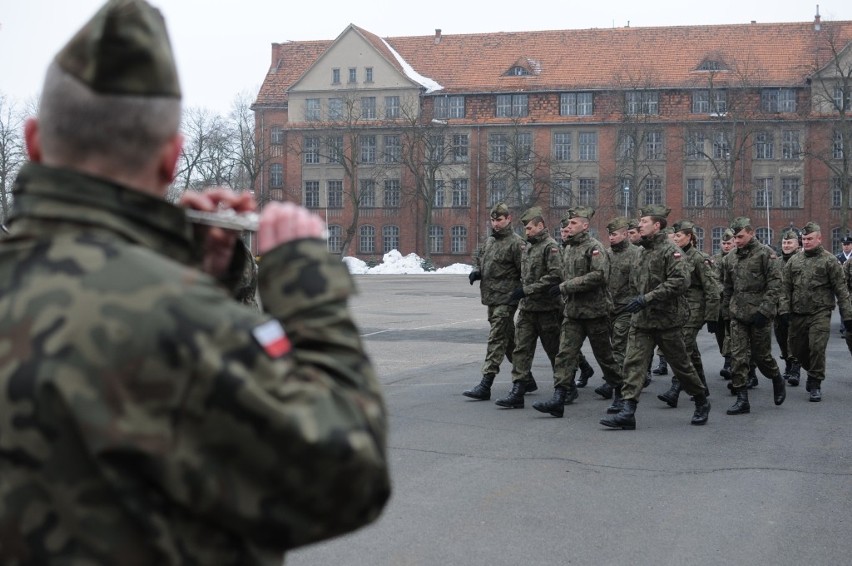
779 389
702 410
751 380
604 391
515 398
626 417
482 391
742 406
647 380
813 387
556 405
586 371
795 374
530 385
662 368
787 366
617 402
571 394
726 368
671 396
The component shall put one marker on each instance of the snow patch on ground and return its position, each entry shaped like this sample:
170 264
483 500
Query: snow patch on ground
394 263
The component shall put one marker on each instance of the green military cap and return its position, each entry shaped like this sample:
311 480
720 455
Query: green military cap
617 223
790 235
633 224
668 230
728 234
532 213
739 223
123 50
683 226
581 212
655 210
499 209
810 227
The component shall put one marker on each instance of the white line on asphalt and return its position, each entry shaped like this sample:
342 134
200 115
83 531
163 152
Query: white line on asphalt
421 327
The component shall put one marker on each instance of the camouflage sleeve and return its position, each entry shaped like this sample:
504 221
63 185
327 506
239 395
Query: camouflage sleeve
710 286
727 284
551 272
597 275
847 272
841 292
786 294
677 278
769 303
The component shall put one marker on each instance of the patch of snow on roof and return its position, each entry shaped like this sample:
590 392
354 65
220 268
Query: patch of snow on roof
427 83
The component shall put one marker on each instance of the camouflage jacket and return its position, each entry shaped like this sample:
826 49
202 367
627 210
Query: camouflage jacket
662 278
812 282
540 270
499 264
705 293
847 273
751 281
149 418
585 273
623 258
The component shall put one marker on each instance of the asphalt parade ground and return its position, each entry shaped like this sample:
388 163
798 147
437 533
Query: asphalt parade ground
478 485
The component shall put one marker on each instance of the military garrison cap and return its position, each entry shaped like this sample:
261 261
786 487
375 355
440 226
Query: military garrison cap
657 210
739 223
684 226
633 224
791 235
123 50
532 213
617 223
499 209
581 212
810 227
728 234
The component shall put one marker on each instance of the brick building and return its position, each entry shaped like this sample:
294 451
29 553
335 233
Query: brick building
405 143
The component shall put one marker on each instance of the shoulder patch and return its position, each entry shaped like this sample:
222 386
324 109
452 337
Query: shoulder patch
272 338
596 252
677 255
708 261
773 255
554 250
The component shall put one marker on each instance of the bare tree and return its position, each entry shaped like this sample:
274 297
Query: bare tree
12 154
518 173
250 155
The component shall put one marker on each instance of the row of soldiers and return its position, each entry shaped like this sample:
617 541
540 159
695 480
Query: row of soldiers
650 290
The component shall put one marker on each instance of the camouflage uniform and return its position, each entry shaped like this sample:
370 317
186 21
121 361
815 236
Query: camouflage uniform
847 274
751 281
782 330
130 359
724 329
813 280
246 288
623 258
499 265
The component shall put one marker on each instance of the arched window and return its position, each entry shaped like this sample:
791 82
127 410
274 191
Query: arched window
390 238
458 240
335 239
367 240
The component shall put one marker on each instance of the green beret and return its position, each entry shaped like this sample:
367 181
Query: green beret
617 223
532 213
500 209
633 224
657 210
581 212
684 226
810 227
790 235
727 235
123 50
739 223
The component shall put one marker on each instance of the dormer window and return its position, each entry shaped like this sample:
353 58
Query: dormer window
518 72
712 64
524 67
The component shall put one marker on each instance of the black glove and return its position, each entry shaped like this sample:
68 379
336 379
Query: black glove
474 276
784 319
517 295
847 324
758 320
712 326
555 291
636 304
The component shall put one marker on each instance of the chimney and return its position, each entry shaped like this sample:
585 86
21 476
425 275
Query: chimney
817 24
437 36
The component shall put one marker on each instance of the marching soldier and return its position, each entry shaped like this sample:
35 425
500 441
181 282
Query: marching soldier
790 246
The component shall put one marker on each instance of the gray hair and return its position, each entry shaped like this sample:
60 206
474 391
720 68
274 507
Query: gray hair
76 123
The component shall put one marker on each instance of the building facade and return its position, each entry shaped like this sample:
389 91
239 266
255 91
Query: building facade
405 143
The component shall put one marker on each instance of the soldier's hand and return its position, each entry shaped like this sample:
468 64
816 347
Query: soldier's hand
759 320
555 291
282 222
517 295
712 326
636 304
474 275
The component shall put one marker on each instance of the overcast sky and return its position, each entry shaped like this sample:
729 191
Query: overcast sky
223 47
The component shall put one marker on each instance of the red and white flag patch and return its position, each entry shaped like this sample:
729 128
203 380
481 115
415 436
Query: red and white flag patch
272 338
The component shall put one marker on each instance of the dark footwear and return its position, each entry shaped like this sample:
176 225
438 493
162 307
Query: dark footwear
671 396
779 389
702 411
816 394
787 366
604 391
555 406
625 419
586 372
742 406
662 368
515 398
795 374
726 369
751 381
571 396
530 385
482 390
648 380
617 402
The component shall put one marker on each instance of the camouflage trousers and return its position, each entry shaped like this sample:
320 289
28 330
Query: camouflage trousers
501 337
640 351
531 327
690 342
750 344
808 339
781 336
722 336
571 337
620 325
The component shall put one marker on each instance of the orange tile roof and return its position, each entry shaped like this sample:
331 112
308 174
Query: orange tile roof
781 54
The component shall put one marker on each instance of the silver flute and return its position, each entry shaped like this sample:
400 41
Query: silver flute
228 219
